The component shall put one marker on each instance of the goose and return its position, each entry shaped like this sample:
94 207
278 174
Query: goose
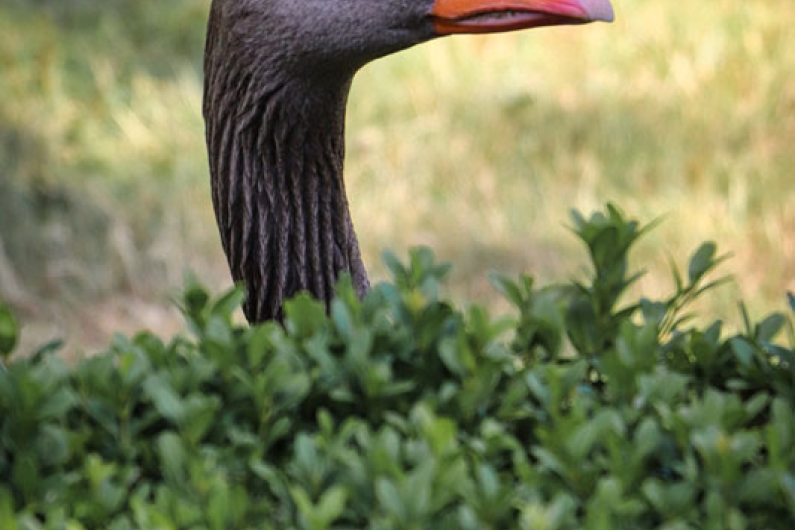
276 79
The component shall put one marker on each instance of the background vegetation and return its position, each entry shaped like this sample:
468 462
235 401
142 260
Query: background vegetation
475 146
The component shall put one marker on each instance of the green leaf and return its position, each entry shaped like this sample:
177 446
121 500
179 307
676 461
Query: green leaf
653 312
57 404
8 520
52 445
9 332
219 508
304 316
25 475
582 327
229 302
393 264
200 412
331 505
166 401
507 288
488 481
743 350
302 502
770 327
195 298
702 261
389 498
172 457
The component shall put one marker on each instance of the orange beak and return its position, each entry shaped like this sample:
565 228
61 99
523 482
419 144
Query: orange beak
492 16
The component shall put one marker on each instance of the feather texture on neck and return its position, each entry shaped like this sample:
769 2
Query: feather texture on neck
276 148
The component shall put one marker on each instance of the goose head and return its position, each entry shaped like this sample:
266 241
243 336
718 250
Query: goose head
277 76
307 36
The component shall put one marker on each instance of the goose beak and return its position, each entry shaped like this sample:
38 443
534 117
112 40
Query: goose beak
493 16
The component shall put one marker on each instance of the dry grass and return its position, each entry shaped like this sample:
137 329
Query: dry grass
475 146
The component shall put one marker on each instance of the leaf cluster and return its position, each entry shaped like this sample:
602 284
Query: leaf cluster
401 411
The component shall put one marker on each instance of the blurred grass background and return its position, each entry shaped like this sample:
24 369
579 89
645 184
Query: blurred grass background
476 146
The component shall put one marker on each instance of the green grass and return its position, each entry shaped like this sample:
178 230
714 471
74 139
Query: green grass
476 146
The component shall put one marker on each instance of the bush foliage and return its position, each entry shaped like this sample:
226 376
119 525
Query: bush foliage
404 412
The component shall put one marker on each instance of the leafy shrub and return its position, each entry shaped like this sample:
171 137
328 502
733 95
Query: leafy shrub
402 411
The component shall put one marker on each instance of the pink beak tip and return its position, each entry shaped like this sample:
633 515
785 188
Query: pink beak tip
599 10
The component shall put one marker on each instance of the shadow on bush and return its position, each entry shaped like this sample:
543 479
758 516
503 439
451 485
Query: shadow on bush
402 411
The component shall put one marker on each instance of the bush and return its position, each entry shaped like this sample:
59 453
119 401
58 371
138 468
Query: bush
402 411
